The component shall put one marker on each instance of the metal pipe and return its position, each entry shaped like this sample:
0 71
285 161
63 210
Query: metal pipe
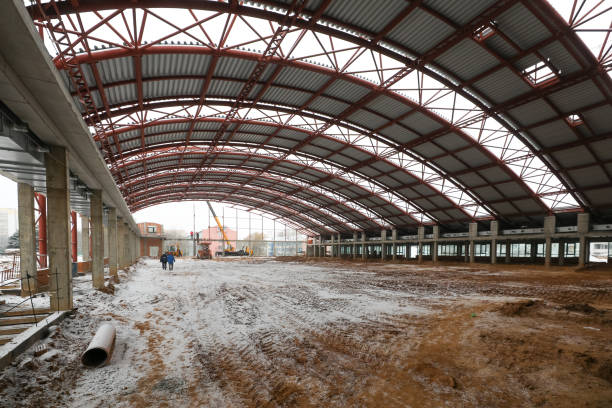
100 350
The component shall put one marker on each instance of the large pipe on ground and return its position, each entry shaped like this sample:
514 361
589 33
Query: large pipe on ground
101 348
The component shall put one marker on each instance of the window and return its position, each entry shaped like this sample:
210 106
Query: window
151 229
541 250
521 250
501 249
572 249
448 250
482 249
426 249
541 74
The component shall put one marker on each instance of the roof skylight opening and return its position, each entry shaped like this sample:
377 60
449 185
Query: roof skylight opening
574 120
541 74
484 32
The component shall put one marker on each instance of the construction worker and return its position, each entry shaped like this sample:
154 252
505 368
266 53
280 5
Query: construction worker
170 261
163 260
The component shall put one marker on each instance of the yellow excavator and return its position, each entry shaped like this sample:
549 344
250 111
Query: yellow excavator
230 251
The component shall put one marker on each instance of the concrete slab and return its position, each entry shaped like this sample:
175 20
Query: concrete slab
23 341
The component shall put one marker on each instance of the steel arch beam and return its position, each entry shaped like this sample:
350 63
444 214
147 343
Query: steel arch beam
172 156
142 186
329 157
369 40
374 90
243 200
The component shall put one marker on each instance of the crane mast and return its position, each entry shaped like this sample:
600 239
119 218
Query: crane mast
229 244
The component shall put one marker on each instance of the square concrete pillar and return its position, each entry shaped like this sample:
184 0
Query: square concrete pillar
508 257
333 246
583 229
120 243
113 255
420 237
97 239
58 228
383 239
473 233
561 252
549 229
434 249
364 254
494 234
355 238
394 244
27 239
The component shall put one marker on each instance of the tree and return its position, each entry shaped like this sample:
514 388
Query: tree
13 241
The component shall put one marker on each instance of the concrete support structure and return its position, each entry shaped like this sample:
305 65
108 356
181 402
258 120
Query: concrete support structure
420 237
27 239
434 249
383 248
355 237
58 228
97 239
333 247
473 233
120 243
508 252
364 254
113 255
494 234
561 252
549 229
583 228
394 244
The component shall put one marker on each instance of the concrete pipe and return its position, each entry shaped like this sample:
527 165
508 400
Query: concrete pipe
100 349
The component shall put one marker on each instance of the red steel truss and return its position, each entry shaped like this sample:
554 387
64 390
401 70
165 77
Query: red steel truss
40 202
455 103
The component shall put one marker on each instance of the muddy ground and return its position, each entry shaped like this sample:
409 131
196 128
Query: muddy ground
264 333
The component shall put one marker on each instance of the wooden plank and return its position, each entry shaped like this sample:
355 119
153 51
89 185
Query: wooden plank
11 322
7 332
24 312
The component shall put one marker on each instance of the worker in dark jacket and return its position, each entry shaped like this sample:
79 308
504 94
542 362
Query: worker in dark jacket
170 261
163 260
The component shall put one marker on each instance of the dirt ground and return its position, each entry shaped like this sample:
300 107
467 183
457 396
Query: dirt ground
286 332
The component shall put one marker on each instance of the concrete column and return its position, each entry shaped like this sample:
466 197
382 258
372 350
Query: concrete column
58 228
494 234
97 239
583 229
85 238
561 252
420 237
355 237
549 229
434 250
364 255
473 232
508 252
27 239
120 244
113 256
533 251
333 246
394 244
383 239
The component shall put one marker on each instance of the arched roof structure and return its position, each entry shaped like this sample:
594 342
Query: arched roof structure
359 114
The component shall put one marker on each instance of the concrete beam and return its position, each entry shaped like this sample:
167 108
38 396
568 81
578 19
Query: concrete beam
58 228
27 239
97 239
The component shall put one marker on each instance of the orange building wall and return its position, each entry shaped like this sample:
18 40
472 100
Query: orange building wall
147 242
214 233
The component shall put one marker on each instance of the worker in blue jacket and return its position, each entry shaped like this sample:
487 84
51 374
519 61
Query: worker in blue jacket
170 261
